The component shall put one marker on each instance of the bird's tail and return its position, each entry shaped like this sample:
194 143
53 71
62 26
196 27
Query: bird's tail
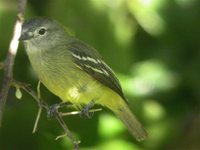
131 122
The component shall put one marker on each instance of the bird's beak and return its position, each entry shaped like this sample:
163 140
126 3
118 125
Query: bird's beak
25 36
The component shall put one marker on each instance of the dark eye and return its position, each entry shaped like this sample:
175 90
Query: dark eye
42 31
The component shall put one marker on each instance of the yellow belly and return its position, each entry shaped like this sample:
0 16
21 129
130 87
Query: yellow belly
76 87
80 88
72 84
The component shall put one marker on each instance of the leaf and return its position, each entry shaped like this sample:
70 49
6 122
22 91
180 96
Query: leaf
18 93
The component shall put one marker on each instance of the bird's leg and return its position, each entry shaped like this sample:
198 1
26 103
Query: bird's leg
85 110
53 109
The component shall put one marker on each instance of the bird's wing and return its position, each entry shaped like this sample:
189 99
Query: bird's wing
88 59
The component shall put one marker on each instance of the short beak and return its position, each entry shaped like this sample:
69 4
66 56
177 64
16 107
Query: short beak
25 36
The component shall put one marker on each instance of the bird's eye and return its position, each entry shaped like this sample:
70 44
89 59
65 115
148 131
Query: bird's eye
42 31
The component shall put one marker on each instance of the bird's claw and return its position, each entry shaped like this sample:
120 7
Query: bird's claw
53 110
86 114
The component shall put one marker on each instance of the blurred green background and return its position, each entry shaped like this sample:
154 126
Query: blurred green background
154 48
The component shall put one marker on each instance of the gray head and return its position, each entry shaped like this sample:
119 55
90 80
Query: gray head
42 32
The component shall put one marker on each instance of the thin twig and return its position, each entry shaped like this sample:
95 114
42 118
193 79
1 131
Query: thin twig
10 59
41 103
37 120
79 112
38 90
39 109
31 92
60 136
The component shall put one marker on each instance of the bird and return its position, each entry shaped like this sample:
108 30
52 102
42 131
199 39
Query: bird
75 71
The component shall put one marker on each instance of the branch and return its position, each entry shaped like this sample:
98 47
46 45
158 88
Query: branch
68 133
43 105
10 59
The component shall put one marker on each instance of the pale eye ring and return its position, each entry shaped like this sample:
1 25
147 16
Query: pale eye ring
42 31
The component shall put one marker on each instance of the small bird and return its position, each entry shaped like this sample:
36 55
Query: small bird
74 71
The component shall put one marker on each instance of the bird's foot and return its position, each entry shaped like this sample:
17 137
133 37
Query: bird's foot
85 113
53 109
